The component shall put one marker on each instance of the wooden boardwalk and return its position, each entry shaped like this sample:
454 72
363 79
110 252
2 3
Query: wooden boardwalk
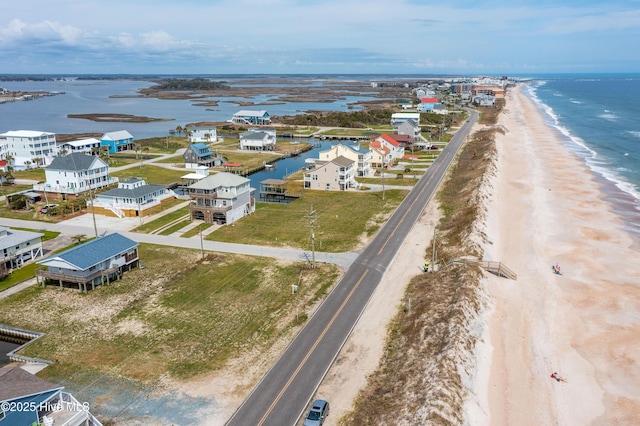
497 268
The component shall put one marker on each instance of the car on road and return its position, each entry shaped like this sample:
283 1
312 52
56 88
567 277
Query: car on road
318 412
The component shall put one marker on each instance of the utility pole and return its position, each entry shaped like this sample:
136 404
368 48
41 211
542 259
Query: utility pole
201 243
433 250
312 216
382 172
93 212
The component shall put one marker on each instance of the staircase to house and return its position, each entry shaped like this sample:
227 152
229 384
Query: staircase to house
117 211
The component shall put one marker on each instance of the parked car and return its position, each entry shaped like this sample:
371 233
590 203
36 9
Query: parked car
45 209
319 411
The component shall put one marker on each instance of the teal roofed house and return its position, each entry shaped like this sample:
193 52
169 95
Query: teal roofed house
95 262
117 141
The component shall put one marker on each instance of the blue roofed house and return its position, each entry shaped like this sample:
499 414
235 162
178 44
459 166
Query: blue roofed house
199 154
117 141
26 399
93 263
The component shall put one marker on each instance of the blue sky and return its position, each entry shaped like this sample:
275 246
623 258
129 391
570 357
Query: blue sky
319 36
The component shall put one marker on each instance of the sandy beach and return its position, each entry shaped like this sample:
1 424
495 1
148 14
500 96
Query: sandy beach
545 207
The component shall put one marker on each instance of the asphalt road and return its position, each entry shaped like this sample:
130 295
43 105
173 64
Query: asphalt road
282 395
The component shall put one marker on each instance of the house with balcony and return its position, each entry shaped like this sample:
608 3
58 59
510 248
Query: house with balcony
74 174
198 154
361 156
334 175
251 117
40 402
396 150
204 134
96 262
132 198
118 141
258 140
17 247
380 156
426 104
89 146
29 148
409 128
221 198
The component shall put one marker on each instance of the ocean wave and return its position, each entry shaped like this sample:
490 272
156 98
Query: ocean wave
596 163
635 133
573 101
608 116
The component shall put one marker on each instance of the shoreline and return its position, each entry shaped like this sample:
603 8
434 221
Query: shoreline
548 206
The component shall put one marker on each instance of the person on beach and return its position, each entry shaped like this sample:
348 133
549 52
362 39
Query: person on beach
558 377
556 269
426 267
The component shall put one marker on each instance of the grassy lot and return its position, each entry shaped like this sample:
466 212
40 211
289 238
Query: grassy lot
249 160
151 174
180 314
344 219
195 231
162 221
353 132
32 174
406 180
166 145
12 189
177 160
175 227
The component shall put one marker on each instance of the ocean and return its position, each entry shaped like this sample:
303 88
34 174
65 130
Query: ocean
599 119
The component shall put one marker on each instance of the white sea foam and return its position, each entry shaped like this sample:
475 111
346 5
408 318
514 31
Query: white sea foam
594 161
635 133
608 116
573 101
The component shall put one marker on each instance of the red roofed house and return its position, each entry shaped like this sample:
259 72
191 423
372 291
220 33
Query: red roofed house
426 104
395 149
380 155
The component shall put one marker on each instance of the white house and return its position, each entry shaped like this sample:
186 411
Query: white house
132 198
258 140
251 117
221 198
396 151
335 175
202 134
74 174
89 146
18 246
399 117
28 147
361 157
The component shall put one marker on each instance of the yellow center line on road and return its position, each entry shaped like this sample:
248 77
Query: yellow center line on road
405 214
313 348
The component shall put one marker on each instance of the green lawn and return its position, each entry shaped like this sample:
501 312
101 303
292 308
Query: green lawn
163 220
343 218
32 174
151 174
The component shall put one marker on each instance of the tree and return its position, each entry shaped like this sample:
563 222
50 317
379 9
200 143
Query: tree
179 129
27 163
37 161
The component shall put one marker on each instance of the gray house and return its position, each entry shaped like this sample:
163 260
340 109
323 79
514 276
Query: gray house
18 247
93 263
199 154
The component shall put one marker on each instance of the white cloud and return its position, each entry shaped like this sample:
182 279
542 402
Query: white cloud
48 31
